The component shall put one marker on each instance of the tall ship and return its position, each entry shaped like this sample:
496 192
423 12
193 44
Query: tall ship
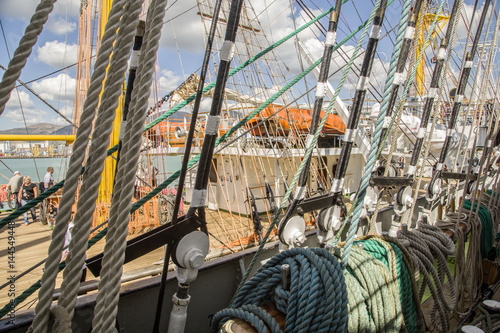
324 167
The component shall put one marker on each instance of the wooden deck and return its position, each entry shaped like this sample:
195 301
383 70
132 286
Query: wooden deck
31 244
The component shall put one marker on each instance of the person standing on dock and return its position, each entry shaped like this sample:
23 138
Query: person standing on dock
14 185
48 180
29 191
3 196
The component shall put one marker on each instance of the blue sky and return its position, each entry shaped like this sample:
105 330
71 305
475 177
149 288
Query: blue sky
182 47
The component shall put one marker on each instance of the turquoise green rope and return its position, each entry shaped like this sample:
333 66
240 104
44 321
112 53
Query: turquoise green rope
376 250
487 237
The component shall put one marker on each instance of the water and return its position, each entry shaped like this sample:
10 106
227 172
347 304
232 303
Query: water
35 168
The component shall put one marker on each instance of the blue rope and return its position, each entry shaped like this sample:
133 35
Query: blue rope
316 300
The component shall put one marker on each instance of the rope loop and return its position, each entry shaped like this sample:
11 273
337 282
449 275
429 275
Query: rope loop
314 299
62 319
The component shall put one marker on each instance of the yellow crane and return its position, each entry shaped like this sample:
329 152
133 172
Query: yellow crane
424 31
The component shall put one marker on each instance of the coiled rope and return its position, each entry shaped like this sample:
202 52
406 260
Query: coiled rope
468 268
374 302
379 280
487 322
316 300
487 237
428 244
398 261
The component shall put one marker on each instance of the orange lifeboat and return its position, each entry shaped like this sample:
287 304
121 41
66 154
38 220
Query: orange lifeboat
167 132
281 121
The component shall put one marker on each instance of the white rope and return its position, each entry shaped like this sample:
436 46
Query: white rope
97 155
114 252
74 169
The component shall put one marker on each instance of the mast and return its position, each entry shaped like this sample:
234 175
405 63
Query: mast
108 173
434 188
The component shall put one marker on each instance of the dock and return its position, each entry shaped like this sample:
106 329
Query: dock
31 243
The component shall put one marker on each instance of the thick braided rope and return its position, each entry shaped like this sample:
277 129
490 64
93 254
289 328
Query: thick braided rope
487 237
388 258
489 323
468 268
23 51
62 322
424 260
316 300
75 165
253 315
97 154
410 265
441 250
391 255
382 296
114 253
372 155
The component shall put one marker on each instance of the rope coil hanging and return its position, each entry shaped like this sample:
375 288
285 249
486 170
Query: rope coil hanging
426 249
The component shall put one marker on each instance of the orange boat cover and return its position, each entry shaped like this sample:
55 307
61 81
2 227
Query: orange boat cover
281 121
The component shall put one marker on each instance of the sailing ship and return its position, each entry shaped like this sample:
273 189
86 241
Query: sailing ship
350 203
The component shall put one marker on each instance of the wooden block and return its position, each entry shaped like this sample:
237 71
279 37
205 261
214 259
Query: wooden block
490 272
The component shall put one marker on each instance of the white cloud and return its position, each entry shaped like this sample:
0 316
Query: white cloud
19 99
60 26
185 32
25 10
20 108
168 81
57 54
61 87
30 116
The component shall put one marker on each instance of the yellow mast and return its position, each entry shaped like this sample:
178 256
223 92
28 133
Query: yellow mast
108 174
